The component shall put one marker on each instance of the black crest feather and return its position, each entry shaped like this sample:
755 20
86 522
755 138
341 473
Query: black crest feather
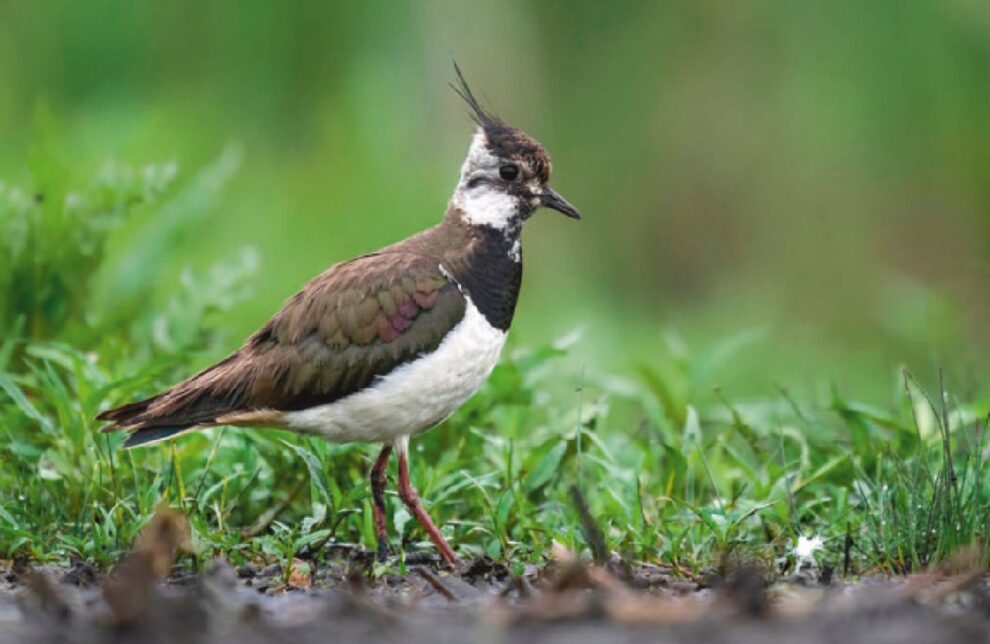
501 138
481 116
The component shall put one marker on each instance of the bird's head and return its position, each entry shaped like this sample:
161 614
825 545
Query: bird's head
506 175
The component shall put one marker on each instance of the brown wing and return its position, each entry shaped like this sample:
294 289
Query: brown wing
357 321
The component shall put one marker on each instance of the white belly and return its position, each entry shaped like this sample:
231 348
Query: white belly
417 395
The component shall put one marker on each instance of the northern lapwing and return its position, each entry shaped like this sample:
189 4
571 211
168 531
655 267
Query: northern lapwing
389 344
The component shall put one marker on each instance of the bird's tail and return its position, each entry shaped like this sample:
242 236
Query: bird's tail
150 435
143 430
214 396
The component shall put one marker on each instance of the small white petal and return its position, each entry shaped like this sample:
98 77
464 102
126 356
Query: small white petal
807 547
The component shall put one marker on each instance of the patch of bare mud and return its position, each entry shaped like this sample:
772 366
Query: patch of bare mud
336 597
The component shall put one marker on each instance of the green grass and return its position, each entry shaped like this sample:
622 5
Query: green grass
669 476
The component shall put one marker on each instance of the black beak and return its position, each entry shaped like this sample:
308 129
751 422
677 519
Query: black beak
550 199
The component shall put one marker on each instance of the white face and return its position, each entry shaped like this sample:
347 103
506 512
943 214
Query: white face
486 198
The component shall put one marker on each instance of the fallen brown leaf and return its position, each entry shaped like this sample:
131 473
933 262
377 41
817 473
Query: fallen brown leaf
130 586
300 576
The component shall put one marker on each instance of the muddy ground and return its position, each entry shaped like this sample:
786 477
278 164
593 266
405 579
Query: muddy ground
335 594
335 597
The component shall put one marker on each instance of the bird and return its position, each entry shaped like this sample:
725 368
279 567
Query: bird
389 344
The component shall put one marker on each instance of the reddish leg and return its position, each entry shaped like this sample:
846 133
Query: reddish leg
409 496
378 481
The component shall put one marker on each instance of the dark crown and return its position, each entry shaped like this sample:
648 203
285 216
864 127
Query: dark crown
503 140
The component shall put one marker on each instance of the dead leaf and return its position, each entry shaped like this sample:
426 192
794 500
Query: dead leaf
300 575
130 586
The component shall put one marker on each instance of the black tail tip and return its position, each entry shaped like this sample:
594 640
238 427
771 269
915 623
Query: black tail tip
150 435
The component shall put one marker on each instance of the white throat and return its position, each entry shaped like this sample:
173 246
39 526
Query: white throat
483 204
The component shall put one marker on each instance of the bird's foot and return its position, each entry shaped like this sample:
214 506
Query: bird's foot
450 560
382 552
457 566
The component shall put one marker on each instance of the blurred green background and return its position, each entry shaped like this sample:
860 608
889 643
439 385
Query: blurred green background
808 182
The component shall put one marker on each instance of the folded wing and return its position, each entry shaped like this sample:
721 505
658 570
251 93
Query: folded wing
357 321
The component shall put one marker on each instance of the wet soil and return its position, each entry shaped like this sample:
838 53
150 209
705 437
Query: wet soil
336 597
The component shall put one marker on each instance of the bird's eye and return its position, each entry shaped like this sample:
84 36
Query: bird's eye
509 172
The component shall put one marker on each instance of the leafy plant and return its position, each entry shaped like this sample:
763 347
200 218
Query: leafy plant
673 469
